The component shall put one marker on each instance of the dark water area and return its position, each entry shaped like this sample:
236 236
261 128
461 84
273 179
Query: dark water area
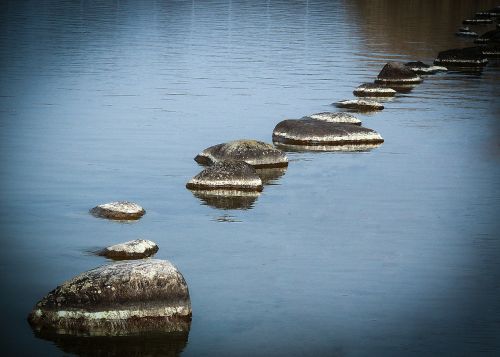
391 252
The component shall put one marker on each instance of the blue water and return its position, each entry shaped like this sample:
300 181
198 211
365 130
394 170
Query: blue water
389 252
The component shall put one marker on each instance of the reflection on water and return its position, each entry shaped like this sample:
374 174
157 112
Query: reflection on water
325 148
271 176
227 199
151 344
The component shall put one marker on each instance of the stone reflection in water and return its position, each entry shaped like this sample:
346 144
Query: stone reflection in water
227 199
270 176
327 148
151 344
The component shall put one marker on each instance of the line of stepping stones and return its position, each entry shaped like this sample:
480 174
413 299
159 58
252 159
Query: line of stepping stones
143 295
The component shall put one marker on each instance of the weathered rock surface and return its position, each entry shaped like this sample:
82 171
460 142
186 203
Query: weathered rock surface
256 153
360 104
338 117
227 175
328 148
373 90
466 31
117 299
122 210
469 56
316 132
423 68
397 73
134 249
492 49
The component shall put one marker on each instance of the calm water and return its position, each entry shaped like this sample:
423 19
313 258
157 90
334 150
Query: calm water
390 252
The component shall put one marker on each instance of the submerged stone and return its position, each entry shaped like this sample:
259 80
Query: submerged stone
335 117
422 68
256 153
469 56
398 73
227 175
360 104
122 210
315 132
117 299
134 249
373 90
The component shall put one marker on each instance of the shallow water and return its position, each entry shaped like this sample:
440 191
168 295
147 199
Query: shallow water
393 251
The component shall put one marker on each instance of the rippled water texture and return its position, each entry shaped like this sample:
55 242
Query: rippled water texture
393 251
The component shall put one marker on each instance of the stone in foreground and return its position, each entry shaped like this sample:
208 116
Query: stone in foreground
469 56
315 132
335 117
373 90
134 249
397 73
423 68
122 210
227 176
360 104
117 299
256 153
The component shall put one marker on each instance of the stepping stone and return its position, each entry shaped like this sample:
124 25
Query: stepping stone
256 153
122 210
422 68
227 176
465 31
492 49
469 56
493 35
397 73
360 104
373 90
338 117
117 299
477 21
134 249
315 132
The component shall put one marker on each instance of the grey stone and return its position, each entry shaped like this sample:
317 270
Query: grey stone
338 117
397 73
469 56
122 210
477 21
310 132
117 299
360 105
227 176
422 68
256 153
373 90
134 249
493 35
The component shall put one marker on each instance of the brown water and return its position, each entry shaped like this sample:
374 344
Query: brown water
389 252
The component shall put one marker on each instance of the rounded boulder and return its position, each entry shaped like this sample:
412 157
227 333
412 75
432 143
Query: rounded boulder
117 299
134 249
121 210
360 105
397 73
253 152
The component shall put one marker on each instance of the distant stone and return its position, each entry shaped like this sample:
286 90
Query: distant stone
360 104
316 132
373 90
422 68
117 299
465 31
469 56
338 117
477 21
493 35
122 210
484 15
256 153
134 249
397 73
227 175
